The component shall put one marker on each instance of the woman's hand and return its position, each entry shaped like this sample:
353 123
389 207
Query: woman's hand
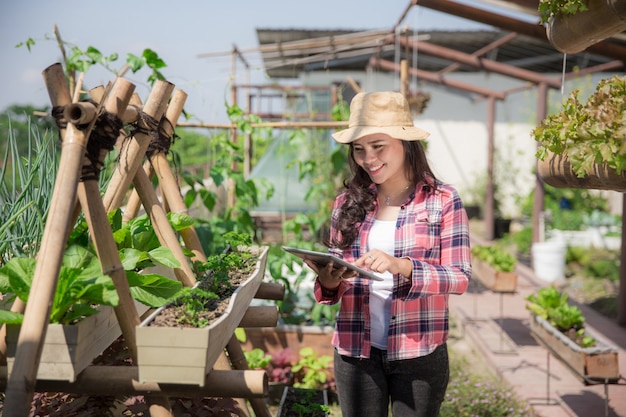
380 262
329 276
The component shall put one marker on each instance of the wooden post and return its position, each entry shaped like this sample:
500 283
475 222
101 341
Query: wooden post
21 383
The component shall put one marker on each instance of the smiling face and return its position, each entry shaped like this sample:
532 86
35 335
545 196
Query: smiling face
382 157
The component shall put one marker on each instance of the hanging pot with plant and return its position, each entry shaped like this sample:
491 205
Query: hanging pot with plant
584 146
574 25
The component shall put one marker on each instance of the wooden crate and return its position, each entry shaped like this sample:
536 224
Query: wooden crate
598 363
497 281
187 355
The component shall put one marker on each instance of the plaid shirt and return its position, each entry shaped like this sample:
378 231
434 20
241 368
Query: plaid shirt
432 231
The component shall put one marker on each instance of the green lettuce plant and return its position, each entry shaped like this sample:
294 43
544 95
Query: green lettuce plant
588 133
552 305
495 256
81 287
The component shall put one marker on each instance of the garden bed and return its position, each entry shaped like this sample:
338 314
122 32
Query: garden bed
496 281
596 363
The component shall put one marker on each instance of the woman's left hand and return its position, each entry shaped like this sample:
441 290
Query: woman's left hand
380 262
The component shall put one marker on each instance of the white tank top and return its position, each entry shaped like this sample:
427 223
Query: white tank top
381 237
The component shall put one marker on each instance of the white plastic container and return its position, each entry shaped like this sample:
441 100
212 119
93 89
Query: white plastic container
549 260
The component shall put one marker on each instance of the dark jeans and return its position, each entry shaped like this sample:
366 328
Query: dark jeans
415 387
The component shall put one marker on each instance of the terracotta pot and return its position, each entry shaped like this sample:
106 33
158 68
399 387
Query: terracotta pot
186 355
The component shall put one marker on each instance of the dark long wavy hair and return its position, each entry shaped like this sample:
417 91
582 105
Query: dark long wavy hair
360 199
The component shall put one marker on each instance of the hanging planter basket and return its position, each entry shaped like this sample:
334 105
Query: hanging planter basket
180 355
556 170
576 32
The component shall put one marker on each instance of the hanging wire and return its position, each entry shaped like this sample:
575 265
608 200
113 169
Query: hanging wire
415 37
563 74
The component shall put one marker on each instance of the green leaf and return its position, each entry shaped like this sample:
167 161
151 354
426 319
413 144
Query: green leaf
78 257
153 60
180 221
131 257
135 62
10 317
164 256
153 290
16 277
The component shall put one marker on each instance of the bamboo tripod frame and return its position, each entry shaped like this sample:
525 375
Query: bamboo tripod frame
70 195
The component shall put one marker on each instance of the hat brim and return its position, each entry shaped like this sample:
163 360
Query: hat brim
409 133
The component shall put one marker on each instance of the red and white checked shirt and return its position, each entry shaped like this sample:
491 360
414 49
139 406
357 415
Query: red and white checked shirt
432 230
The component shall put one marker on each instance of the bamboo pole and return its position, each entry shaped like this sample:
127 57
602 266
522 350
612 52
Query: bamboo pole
270 291
126 314
102 234
21 383
238 360
281 125
128 171
162 227
132 154
260 316
121 381
133 205
167 180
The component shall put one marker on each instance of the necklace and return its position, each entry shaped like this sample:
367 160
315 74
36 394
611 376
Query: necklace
389 197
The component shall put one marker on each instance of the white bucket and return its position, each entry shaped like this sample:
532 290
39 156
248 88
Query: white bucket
549 260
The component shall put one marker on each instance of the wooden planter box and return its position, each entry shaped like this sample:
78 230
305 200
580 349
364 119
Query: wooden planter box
187 355
598 363
496 281
69 349
556 170
308 399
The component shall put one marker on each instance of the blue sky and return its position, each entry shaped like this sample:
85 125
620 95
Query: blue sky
178 32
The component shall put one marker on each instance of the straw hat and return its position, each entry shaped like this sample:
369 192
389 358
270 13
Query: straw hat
380 112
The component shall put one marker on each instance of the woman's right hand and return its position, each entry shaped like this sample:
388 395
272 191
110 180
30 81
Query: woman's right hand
330 277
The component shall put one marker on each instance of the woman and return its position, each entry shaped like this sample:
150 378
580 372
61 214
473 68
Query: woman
396 219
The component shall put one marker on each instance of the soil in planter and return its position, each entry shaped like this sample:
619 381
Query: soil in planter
302 403
169 316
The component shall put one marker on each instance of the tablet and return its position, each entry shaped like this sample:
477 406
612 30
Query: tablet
321 259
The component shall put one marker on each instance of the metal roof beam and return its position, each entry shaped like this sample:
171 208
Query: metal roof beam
482 63
605 48
436 79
